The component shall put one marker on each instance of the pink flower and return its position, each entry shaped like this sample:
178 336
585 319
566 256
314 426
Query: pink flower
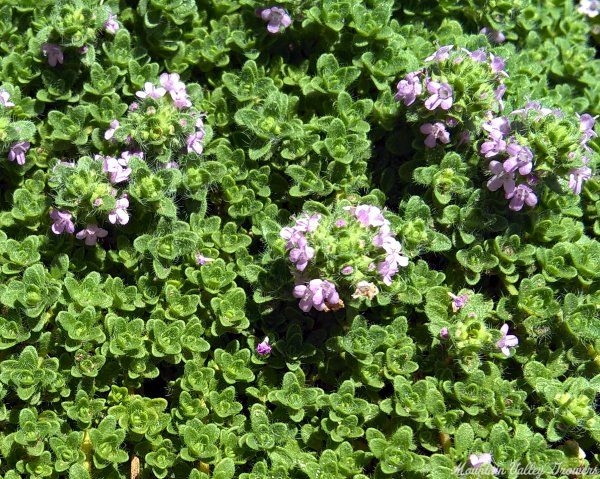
277 17
409 88
150 91
117 170
441 95
17 152
5 99
111 131
180 99
119 214
458 301
54 54
346 270
62 222
368 215
319 294
171 82
521 195
444 333
577 176
264 348
91 234
111 25
435 131
500 178
306 223
194 142
506 341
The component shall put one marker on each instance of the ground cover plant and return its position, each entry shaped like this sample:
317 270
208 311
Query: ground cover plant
323 239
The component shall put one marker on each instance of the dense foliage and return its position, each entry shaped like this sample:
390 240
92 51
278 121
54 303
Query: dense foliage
319 239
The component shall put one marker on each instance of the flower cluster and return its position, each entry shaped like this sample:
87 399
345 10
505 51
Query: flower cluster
512 157
171 84
355 244
433 84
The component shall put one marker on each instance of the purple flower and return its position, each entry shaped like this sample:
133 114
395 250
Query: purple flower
62 222
151 91
171 82
444 333
463 137
458 301
497 64
368 215
506 341
117 169
499 124
409 88
91 234
111 131
5 99
577 176
346 270
264 347
500 178
586 126
111 25
17 152
306 223
319 294
180 99
494 36
435 131
537 107
441 54
586 122
202 260
119 214
277 17
520 159
478 55
521 195
441 95
301 254
591 8
194 142
341 223
478 461
499 93
54 54
393 259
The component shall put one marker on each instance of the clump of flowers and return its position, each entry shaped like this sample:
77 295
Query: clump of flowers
162 120
345 256
430 93
535 145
